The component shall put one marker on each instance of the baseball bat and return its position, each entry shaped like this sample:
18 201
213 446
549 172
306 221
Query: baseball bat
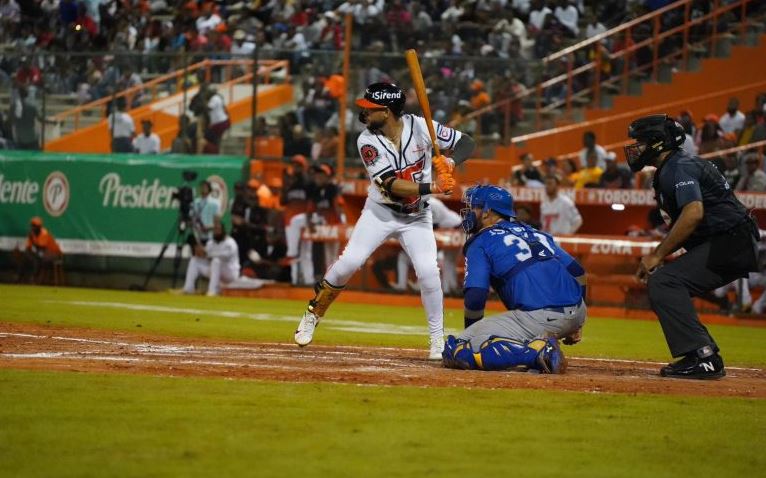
420 90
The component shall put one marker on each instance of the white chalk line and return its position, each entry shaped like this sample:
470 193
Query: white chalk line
278 352
332 324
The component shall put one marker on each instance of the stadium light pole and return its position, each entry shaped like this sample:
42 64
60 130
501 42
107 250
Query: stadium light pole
341 154
254 102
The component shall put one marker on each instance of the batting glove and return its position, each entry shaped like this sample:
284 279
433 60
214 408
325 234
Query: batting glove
444 184
443 164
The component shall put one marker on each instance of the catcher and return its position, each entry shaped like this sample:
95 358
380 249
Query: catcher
539 283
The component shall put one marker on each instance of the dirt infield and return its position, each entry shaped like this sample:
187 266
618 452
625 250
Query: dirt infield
89 350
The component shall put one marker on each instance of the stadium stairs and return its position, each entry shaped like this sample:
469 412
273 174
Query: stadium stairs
734 71
93 136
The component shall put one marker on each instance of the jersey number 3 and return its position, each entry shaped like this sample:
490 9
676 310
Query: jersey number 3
541 248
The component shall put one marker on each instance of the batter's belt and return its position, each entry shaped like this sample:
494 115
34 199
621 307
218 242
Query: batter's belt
401 209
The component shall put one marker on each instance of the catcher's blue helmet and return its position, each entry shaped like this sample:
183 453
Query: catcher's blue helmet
485 198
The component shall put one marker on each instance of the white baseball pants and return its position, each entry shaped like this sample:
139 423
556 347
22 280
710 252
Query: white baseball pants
415 233
200 266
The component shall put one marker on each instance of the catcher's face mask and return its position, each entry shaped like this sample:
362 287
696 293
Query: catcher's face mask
473 201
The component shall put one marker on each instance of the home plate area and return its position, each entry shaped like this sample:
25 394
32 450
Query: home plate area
89 350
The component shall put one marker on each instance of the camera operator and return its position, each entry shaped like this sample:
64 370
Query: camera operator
218 261
204 212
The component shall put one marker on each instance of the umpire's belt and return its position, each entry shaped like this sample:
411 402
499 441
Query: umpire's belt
401 209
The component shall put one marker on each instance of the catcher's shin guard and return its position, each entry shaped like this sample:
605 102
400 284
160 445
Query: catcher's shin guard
458 354
325 294
500 353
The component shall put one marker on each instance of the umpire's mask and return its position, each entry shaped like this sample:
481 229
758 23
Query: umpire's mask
654 134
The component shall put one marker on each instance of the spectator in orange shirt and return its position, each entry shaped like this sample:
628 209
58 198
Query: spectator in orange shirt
40 251
479 99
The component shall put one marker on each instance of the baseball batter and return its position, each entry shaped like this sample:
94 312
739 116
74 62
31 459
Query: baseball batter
396 151
539 283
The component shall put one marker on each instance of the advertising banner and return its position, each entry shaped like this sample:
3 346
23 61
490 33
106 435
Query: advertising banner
115 205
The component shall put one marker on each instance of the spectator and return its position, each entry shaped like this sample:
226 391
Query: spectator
208 20
709 135
295 197
122 128
524 214
204 212
733 120
589 144
558 214
552 169
131 79
219 121
567 15
251 224
24 121
148 142
568 172
754 179
325 207
181 143
752 131
218 261
590 175
40 251
686 121
615 175
325 144
241 48
528 175
298 143
728 165
537 16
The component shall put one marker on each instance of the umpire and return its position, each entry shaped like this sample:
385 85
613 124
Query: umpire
708 221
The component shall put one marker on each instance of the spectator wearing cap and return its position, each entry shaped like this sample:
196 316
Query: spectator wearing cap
754 179
615 176
589 145
733 120
148 142
40 251
528 175
122 128
241 48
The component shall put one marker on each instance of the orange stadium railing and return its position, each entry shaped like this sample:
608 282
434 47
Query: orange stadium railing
203 68
595 44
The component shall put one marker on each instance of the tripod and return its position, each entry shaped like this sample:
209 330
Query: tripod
179 235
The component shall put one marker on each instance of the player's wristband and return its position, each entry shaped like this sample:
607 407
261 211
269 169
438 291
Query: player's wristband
424 189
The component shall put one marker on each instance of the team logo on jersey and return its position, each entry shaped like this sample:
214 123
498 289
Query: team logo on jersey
444 133
369 154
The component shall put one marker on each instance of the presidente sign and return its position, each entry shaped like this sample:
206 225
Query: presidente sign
106 205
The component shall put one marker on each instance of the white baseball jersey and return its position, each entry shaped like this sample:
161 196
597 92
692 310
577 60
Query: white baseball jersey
411 161
228 252
560 215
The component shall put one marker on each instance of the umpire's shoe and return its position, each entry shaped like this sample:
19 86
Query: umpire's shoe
702 364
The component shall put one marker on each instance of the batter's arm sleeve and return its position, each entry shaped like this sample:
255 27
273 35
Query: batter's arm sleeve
446 137
463 149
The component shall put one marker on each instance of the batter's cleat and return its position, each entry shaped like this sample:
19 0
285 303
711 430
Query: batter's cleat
437 347
551 358
304 334
703 364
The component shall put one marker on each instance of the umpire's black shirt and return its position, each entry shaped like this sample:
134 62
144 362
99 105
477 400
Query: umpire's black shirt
682 179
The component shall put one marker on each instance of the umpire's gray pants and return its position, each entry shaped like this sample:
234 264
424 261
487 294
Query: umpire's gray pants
527 324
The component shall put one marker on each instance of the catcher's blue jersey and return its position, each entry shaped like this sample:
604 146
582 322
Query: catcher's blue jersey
527 269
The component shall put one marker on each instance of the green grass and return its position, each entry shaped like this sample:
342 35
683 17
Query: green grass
72 424
275 320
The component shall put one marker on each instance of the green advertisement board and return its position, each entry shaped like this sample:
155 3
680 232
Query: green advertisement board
115 205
